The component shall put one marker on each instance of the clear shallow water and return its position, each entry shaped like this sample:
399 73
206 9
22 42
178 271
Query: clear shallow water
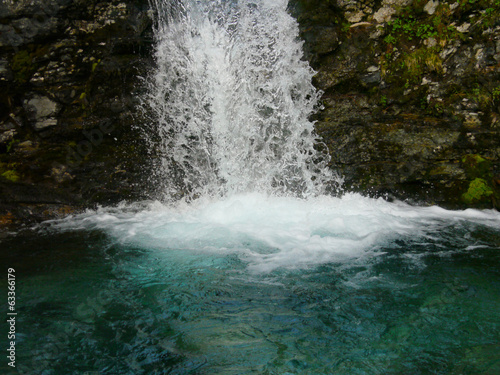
254 284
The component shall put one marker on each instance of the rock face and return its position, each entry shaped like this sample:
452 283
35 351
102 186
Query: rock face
68 104
411 96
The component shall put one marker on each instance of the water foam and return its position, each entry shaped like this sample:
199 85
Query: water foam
269 232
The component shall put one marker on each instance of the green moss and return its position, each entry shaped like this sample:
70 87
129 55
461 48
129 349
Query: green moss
95 64
11 175
488 15
410 28
473 159
422 60
12 143
24 63
480 94
22 66
476 166
495 95
409 57
478 191
440 170
83 100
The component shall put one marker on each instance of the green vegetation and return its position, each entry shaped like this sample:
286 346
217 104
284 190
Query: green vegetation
24 62
473 158
479 190
22 66
410 28
9 172
11 143
11 175
83 100
478 93
488 11
478 170
495 95
346 27
476 166
95 64
414 41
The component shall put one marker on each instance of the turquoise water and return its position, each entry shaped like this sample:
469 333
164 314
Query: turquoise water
262 285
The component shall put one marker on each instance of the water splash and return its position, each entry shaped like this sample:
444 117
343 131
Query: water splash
267 233
231 97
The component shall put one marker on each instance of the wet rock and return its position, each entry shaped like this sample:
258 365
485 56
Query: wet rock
60 173
30 28
40 107
5 11
72 65
25 145
464 28
68 69
7 136
431 6
9 37
371 79
401 111
45 123
42 111
5 71
326 40
384 14
4 126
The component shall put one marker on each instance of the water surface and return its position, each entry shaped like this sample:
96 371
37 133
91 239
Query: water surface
259 284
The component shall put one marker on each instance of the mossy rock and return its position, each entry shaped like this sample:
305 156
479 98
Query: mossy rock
24 63
479 191
476 166
11 175
22 66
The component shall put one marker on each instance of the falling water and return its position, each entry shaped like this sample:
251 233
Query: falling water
231 98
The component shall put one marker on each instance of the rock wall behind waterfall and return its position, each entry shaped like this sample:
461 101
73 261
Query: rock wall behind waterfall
69 91
411 95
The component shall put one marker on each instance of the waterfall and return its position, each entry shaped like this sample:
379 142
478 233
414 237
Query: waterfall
231 98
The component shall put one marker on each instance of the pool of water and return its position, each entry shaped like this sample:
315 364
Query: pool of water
253 284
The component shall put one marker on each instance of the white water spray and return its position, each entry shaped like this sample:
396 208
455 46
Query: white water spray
231 97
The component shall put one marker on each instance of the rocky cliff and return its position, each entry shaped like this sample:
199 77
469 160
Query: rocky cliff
411 100
411 95
69 83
